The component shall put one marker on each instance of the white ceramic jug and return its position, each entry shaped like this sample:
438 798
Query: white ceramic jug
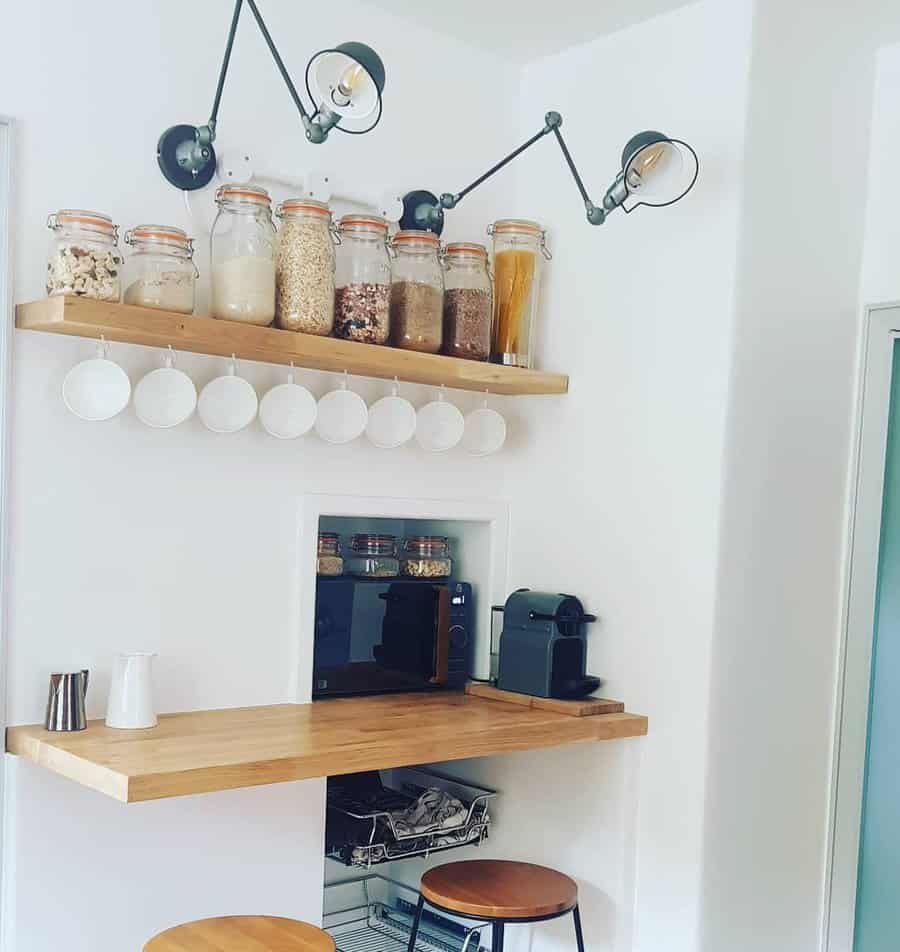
131 692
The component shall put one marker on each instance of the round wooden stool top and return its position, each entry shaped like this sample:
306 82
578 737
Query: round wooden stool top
242 934
499 889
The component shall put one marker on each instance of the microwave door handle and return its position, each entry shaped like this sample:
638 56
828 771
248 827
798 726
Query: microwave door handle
442 637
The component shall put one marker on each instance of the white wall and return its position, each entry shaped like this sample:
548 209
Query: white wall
784 497
182 542
628 466
881 251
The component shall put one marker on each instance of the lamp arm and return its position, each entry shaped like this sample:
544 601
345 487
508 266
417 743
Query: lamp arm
220 85
495 168
595 215
210 129
552 122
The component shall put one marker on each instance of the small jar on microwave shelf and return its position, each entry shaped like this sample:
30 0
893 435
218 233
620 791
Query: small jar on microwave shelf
329 559
372 555
426 557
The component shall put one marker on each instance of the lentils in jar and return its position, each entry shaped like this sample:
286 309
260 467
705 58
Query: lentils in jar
304 268
363 280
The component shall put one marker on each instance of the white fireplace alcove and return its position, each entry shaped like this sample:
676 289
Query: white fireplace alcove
479 531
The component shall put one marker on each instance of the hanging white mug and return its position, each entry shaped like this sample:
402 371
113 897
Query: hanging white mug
485 431
97 389
166 396
342 415
439 425
392 420
228 403
131 692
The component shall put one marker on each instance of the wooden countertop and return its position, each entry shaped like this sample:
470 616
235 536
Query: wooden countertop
203 751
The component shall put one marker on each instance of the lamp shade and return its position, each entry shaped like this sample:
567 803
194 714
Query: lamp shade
658 170
347 81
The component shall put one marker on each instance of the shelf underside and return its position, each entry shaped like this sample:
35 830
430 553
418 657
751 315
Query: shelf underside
83 317
203 751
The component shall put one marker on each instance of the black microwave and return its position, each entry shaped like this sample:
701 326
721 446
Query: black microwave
374 636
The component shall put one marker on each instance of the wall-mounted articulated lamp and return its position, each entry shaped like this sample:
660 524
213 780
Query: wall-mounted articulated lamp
346 83
656 170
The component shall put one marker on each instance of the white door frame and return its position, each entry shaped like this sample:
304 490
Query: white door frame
881 328
7 323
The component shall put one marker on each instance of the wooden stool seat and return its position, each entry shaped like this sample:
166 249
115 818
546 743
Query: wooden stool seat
242 934
500 889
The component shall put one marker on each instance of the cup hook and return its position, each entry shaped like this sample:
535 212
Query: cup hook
395 387
169 359
484 404
291 373
232 367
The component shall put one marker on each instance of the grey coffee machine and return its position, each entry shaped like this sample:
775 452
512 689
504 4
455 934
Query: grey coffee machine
543 646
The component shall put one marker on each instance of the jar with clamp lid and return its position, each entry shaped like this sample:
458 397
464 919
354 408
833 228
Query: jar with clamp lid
160 270
84 255
242 251
329 559
304 267
426 557
373 555
417 292
520 248
362 297
467 301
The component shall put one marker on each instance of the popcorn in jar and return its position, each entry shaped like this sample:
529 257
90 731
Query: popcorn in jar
84 255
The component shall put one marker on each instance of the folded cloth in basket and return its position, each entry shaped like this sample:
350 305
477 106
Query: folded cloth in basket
381 852
434 810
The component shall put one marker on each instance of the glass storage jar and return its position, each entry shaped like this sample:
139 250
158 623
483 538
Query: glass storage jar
84 256
426 557
373 555
329 561
417 291
242 255
160 271
519 247
304 267
467 301
362 297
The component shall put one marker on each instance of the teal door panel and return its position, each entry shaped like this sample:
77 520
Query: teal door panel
878 894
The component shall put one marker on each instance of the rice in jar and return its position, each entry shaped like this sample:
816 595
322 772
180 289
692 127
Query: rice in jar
243 257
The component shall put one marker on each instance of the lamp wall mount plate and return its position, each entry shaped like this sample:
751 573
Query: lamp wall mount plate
236 165
182 160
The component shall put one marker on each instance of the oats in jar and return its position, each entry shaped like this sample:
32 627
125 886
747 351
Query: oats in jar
304 268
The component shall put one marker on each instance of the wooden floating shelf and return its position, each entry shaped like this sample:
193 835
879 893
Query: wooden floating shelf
83 317
204 751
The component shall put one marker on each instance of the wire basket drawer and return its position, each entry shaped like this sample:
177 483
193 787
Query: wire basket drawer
365 823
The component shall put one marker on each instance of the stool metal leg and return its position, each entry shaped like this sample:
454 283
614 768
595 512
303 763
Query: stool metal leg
497 936
579 936
415 926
